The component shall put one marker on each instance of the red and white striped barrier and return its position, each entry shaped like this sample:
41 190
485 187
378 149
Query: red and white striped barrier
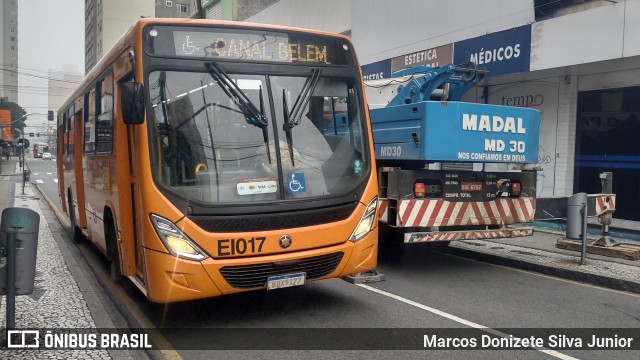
383 210
466 235
604 203
438 212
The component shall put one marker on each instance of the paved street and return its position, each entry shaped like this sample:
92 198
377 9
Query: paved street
425 289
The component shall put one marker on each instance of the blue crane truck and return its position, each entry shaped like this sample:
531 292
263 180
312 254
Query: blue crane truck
453 170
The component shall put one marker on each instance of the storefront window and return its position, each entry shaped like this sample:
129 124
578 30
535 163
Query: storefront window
607 140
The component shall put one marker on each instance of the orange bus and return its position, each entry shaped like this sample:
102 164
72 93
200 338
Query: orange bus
206 158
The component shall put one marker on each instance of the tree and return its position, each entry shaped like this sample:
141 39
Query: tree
17 112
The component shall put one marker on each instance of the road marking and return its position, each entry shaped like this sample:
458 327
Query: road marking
460 320
35 173
596 287
55 181
49 173
40 181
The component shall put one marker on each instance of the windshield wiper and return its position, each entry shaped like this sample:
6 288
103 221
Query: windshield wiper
252 115
287 125
292 118
265 133
303 98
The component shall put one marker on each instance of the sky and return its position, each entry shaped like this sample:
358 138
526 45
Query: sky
50 36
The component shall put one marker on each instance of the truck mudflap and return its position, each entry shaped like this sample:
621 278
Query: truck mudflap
439 212
417 237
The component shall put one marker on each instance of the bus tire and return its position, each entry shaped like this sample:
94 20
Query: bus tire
112 248
76 233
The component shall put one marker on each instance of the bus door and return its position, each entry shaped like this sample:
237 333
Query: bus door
61 140
77 186
125 143
136 207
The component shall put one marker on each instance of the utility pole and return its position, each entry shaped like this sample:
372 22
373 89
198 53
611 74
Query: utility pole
22 162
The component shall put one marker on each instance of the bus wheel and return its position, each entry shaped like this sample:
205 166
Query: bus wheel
112 249
75 230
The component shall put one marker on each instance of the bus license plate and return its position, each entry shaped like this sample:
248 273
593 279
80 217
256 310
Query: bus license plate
283 281
471 186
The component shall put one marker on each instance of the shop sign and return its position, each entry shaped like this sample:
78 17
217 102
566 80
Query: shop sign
377 70
434 57
500 53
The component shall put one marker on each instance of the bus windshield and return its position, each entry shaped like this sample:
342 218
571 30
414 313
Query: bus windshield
208 149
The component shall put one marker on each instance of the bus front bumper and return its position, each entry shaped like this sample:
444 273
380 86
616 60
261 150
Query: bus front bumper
171 279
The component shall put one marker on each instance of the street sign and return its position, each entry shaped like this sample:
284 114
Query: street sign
23 142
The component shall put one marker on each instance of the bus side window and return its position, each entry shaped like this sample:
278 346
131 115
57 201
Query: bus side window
64 130
89 121
104 111
68 130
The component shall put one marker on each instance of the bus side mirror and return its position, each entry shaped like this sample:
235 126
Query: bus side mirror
132 103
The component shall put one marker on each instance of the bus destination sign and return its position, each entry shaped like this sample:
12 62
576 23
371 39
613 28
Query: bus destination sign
251 45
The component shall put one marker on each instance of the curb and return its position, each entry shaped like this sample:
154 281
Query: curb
114 294
580 276
592 230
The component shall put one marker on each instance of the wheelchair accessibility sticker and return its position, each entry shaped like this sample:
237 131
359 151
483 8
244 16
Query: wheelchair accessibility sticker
295 183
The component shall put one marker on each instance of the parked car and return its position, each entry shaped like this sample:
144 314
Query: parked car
46 156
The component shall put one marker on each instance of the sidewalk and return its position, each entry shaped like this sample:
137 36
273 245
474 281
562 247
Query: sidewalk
66 294
623 229
539 253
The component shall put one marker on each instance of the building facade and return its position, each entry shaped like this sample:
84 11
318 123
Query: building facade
578 62
236 10
62 84
9 50
174 8
106 21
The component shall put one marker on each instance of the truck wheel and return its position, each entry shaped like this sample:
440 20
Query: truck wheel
390 244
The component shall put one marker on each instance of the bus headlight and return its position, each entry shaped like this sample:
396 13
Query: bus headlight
175 240
366 222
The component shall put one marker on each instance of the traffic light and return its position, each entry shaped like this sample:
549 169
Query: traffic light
38 135
50 115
